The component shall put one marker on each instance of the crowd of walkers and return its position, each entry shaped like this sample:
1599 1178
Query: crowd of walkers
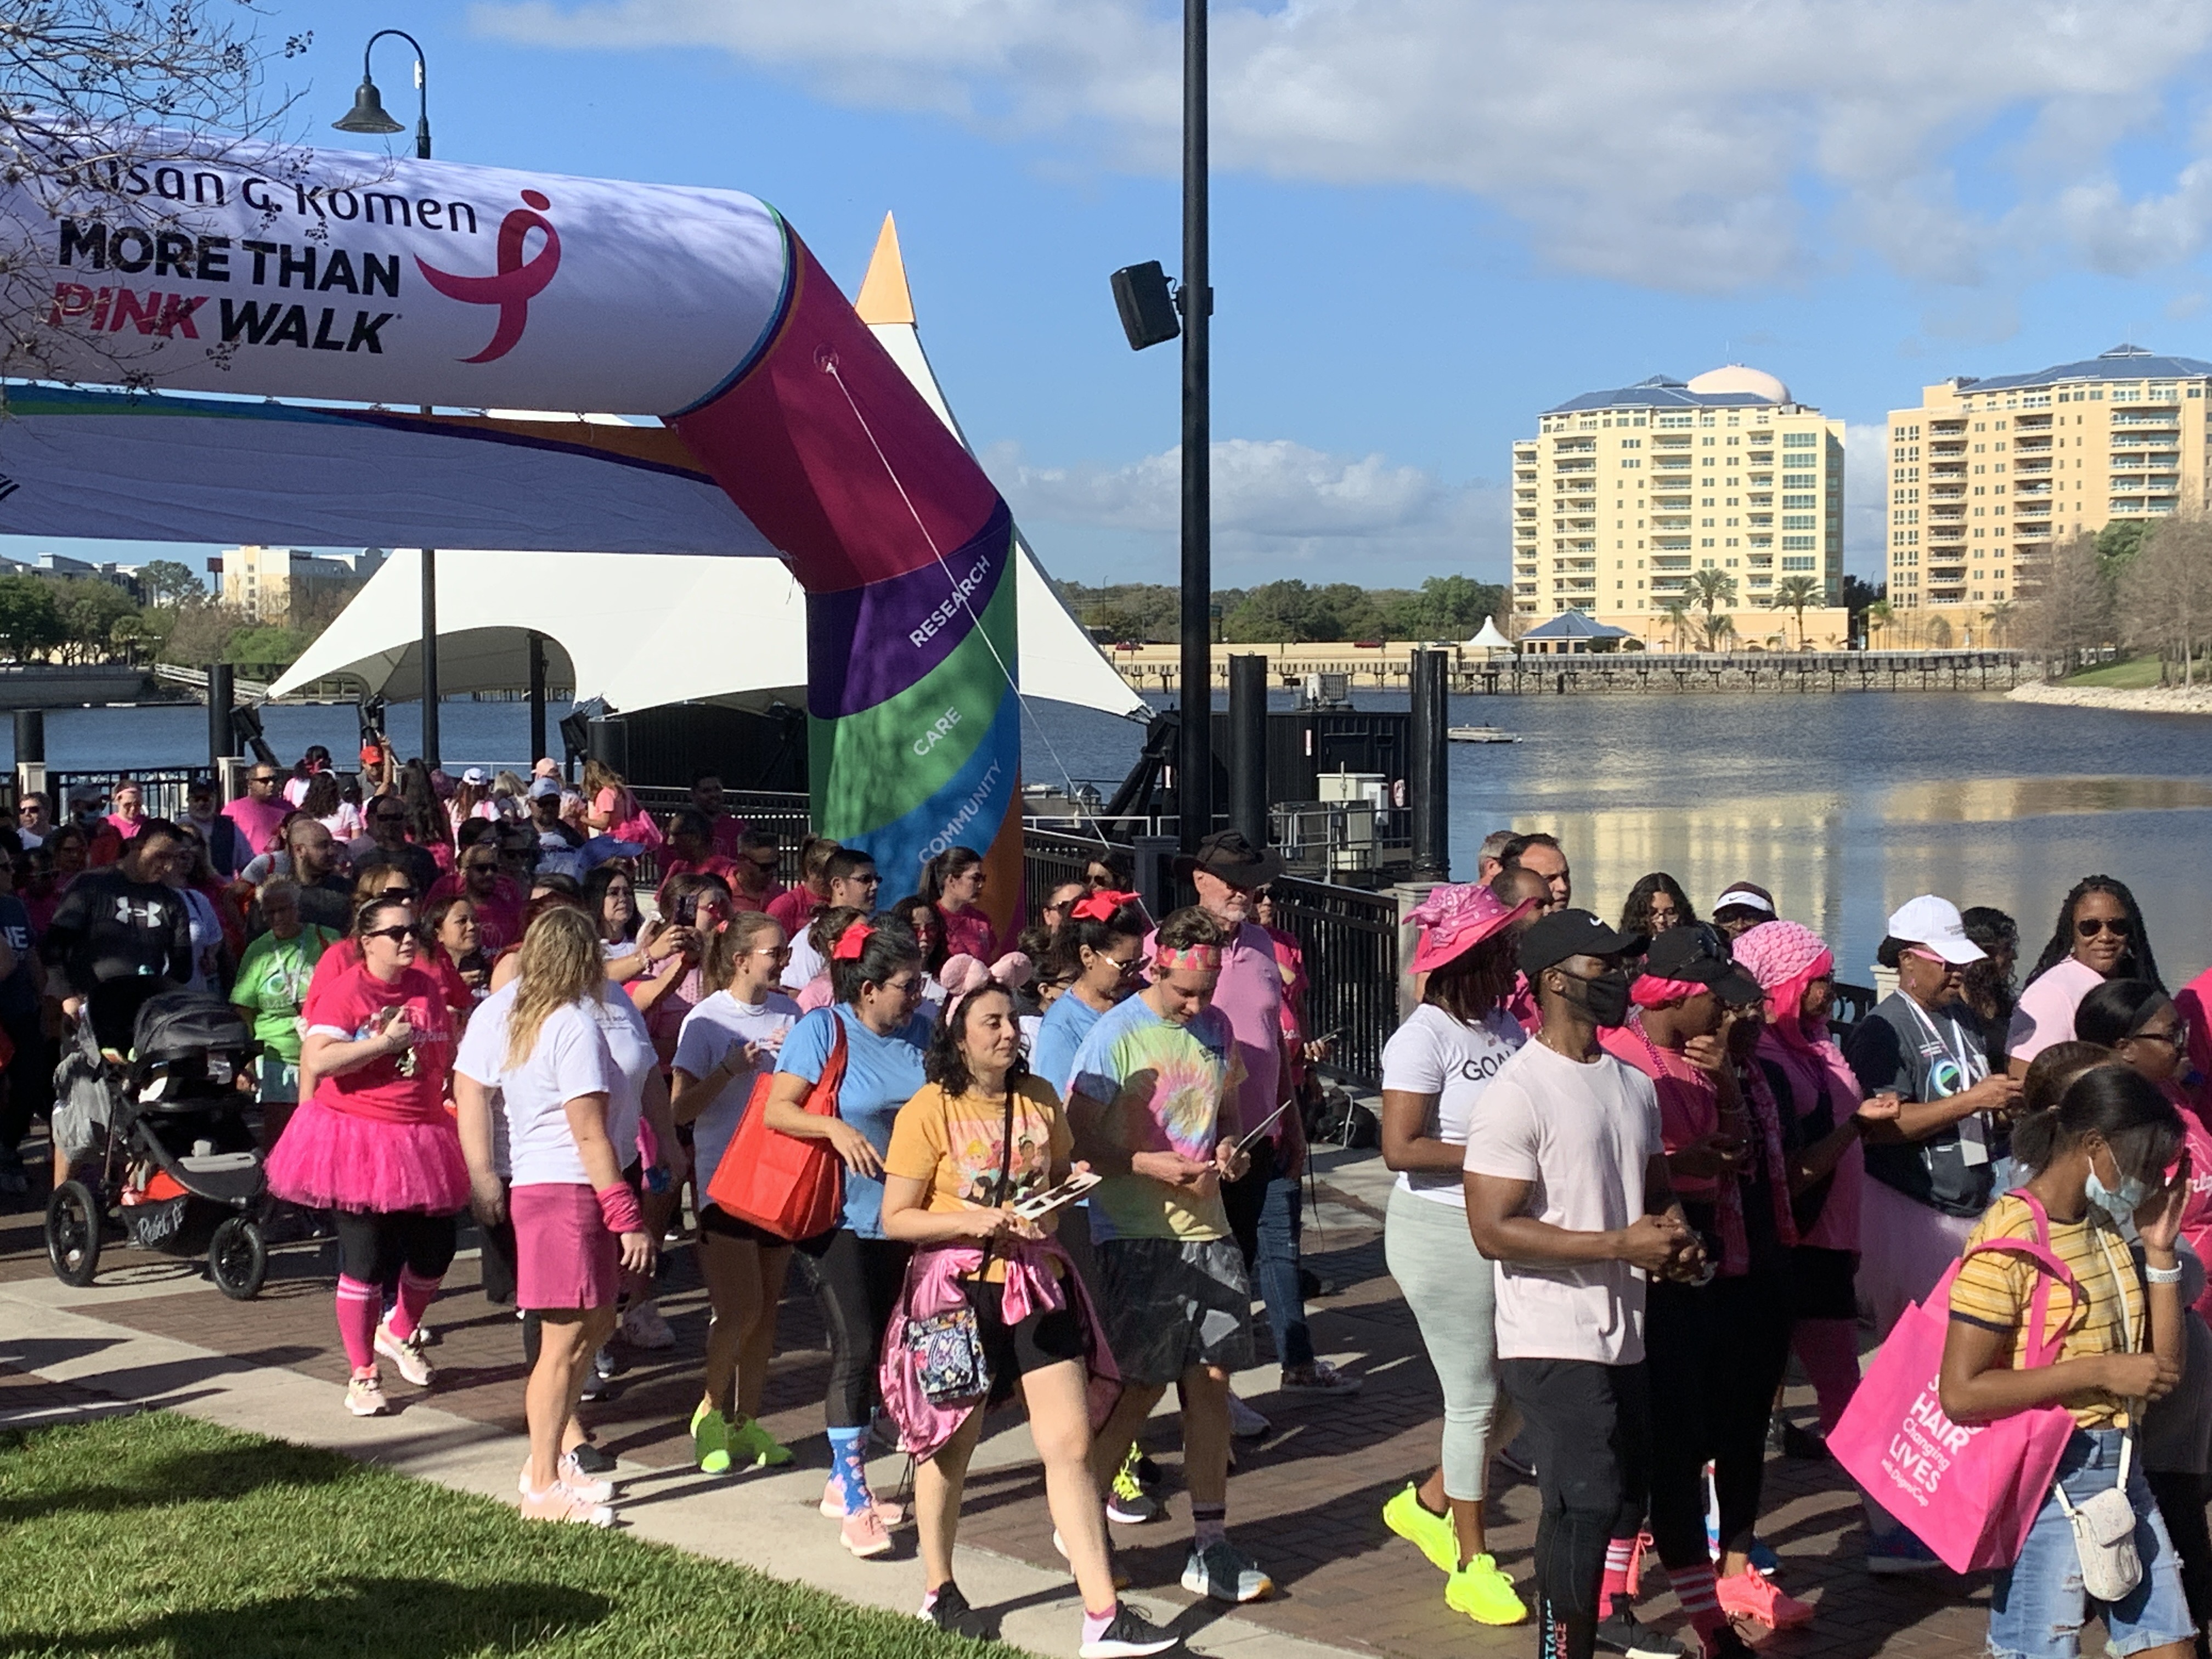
1638 1177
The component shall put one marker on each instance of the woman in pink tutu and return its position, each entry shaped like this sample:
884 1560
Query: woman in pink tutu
375 1145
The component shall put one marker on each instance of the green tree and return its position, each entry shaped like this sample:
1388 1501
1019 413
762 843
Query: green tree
2121 540
1795 593
1877 618
200 633
30 621
1451 608
1718 630
1285 613
1676 611
167 581
89 610
1712 588
265 652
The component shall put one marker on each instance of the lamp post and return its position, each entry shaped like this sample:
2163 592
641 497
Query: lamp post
368 115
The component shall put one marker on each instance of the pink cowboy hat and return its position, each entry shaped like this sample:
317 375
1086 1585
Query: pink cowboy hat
1454 919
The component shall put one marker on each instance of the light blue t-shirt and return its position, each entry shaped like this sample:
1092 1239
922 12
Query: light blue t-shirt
882 1074
1066 1023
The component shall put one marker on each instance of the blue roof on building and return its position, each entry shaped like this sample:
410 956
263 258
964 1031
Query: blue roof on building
1660 392
1574 625
2121 362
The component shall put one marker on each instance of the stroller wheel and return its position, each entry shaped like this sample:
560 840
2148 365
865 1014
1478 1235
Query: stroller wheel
238 1257
73 1233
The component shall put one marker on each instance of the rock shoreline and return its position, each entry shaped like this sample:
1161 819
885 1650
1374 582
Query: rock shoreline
2151 700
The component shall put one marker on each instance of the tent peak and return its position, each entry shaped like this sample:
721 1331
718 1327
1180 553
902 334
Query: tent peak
884 296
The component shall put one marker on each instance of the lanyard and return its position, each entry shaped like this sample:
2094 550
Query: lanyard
1973 1128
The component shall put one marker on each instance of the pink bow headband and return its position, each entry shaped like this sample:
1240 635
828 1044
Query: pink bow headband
963 974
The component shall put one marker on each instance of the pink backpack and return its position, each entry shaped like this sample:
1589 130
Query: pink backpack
1969 1491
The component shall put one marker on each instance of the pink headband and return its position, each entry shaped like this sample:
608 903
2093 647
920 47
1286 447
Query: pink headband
1648 991
1191 960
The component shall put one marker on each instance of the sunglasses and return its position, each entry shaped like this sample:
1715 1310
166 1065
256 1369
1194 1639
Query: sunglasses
394 934
768 863
2090 926
2179 1037
1129 968
398 894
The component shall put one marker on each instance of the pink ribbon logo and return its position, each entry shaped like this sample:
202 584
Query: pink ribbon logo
517 283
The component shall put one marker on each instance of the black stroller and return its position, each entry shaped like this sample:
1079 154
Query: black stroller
167 1159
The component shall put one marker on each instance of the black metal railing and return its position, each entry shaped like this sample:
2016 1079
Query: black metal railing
788 814
1051 860
161 790
1351 941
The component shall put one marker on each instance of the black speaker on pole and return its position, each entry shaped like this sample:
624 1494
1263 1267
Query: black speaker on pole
1148 310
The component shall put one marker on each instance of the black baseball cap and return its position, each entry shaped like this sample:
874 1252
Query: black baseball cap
1699 954
1566 934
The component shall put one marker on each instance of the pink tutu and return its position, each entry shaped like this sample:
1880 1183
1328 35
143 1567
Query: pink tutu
333 1160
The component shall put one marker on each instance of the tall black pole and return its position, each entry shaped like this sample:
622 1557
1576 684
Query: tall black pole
536 696
221 693
1248 747
1194 784
1427 768
430 755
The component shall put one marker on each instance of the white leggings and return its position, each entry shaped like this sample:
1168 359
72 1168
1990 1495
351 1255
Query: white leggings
1453 1294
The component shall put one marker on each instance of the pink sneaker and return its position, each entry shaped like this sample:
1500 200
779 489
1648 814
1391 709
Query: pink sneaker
833 1505
1751 1595
864 1533
557 1503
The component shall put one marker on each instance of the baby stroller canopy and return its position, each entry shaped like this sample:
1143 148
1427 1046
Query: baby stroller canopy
180 1024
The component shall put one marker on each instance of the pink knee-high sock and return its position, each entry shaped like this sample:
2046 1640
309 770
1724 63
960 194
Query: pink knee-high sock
416 1295
358 1306
1828 1350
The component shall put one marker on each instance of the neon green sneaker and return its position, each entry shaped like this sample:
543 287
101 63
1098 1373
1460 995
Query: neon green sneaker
1127 1500
1484 1594
710 1441
753 1446
1431 1534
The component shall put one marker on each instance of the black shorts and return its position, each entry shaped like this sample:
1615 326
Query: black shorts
714 1219
1051 1338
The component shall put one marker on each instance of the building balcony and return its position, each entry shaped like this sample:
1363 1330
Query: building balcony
1679 562
1671 543
1759 458
2036 487
2032 423
1670 523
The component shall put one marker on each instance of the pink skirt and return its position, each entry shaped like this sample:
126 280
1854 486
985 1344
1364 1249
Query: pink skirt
564 1257
333 1160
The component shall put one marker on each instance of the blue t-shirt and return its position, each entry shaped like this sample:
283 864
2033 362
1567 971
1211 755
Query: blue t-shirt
882 1074
1066 1023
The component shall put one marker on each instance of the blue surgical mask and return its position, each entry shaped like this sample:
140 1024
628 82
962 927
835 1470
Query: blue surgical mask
2120 1204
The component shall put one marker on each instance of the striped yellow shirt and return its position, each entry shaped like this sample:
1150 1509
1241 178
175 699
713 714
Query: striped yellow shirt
1995 1291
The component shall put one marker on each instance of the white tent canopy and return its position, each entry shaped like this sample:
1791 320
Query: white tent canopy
643 629
1489 638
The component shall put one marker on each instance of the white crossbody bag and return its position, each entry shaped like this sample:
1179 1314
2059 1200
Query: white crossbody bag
2105 1523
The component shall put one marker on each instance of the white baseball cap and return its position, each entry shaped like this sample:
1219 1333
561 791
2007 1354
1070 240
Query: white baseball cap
1934 922
474 776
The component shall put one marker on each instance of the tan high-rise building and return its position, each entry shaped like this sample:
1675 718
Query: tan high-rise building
1987 476
271 583
1623 494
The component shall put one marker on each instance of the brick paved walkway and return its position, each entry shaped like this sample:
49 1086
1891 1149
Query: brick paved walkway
1305 1500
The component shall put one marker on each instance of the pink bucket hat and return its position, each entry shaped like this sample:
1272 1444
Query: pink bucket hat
1454 919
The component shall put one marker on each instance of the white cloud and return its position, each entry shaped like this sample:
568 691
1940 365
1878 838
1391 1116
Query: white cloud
1276 502
1675 146
1866 502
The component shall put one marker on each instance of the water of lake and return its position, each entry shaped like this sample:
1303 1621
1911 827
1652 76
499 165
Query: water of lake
1843 807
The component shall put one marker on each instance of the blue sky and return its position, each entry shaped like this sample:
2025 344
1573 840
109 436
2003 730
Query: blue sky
1432 217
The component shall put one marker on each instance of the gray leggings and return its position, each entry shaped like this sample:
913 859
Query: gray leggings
1453 1294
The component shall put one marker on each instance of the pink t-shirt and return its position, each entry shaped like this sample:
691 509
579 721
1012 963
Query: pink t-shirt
794 908
2044 1014
969 933
258 821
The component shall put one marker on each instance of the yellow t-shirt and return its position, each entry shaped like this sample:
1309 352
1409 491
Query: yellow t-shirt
953 1143
1997 1291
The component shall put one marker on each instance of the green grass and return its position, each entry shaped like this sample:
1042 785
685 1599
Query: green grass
166 1537
2134 675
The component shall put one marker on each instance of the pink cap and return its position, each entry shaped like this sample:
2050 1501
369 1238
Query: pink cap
1455 918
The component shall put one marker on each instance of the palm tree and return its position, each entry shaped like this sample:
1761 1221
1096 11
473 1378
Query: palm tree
1999 617
1719 630
1877 617
1712 588
1795 593
1676 611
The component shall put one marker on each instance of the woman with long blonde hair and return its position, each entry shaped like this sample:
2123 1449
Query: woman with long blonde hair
577 1225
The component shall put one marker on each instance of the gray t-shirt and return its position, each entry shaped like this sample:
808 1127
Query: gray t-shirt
1923 1056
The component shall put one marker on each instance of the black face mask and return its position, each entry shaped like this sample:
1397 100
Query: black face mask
1603 997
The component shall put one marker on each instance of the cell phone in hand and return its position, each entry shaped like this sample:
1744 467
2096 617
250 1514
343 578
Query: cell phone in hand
1053 1198
1250 1138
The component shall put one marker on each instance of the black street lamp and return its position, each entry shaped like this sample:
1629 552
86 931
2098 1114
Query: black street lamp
368 115
1149 317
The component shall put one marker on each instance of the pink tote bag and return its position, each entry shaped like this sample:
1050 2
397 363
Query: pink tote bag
1969 1491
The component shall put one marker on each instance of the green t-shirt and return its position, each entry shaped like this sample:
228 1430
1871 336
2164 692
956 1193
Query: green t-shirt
272 982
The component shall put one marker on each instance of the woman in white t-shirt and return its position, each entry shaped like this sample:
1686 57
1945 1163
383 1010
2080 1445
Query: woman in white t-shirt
577 1225
1435 1070
726 1043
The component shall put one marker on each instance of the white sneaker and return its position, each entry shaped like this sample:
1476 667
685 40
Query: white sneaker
365 1395
642 1327
1245 1422
406 1357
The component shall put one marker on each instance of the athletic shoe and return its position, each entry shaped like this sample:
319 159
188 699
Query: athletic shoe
1636 1557
1763 1558
948 1611
1515 1457
405 1354
365 1395
1245 1422
1751 1595
710 1440
755 1447
1484 1594
1621 1632
1803 1444
1127 1500
557 1503
642 1327
1225 1573
1431 1534
833 1505
1130 1637
599 1382
1320 1377
1726 1643
586 1486
591 1459
1898 1551
864 1533
1149 1475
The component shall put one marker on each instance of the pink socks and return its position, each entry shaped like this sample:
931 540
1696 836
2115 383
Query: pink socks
1696 1589
413 1301
1619 1552
359 1305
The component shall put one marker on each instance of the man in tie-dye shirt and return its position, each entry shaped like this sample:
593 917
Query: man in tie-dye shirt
1154 1108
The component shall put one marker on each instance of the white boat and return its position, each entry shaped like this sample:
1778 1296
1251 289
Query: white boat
1481 734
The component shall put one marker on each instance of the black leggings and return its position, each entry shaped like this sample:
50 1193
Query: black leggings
856 1280
1716 1354
373 1247
1590 1430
